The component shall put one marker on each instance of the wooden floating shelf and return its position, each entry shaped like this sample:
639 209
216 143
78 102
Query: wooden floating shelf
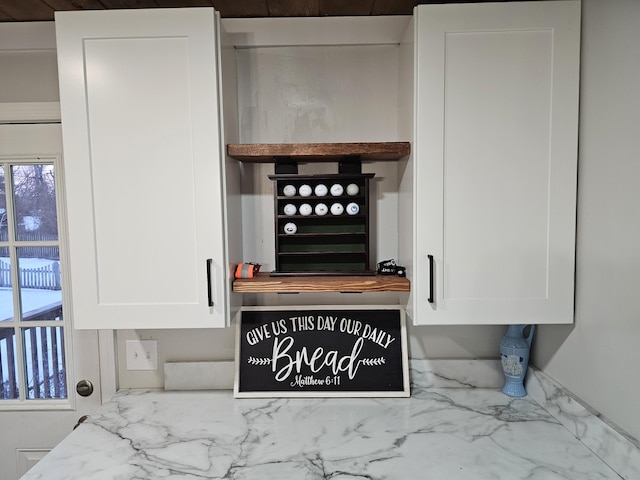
318 152
264 283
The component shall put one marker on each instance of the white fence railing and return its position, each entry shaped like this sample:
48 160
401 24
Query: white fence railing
44 361
46 277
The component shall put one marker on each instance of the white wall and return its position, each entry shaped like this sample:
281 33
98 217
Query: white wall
338 93
28 66
597 358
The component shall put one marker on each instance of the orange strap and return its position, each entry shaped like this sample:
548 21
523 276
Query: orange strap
247 270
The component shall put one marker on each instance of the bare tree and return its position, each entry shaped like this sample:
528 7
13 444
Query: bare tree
35 198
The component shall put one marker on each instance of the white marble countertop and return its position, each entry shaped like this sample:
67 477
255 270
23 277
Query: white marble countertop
438 433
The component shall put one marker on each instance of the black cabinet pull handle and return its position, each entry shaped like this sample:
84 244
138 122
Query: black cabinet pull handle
210 297
431 278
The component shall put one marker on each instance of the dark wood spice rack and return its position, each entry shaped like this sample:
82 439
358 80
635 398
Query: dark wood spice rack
328 253
326 244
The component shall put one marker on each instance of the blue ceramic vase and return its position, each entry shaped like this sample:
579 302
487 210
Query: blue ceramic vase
514 353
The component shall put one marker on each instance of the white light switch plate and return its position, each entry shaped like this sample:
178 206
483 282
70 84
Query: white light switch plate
142 354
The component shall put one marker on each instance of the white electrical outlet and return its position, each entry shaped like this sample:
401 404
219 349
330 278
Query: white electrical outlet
142 354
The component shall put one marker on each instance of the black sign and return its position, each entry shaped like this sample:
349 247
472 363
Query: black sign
321 351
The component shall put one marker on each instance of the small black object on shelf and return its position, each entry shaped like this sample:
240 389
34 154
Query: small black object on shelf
389 267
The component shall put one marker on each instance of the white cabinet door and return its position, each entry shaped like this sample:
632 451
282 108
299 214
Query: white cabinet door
495 162
139 104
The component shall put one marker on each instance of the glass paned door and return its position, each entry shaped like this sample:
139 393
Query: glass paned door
8 365
34 201
40 283
42 357
6 292
44 362
32 341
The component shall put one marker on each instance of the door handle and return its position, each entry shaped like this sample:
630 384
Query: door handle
431 278
82 419
209 293
84 388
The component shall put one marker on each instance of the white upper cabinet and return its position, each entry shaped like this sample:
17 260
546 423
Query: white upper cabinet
494 163
139 92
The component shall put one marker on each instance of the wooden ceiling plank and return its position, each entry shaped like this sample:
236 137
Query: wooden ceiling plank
125 4
64 5
241 9
27 10
287 8
336 8
394 7
38 10
184 3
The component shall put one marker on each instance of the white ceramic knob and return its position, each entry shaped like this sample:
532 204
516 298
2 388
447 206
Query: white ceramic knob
321 209
290 209
289 190
305 190
336 190
290 228
321 190
352 189
305 209
337 209
353 208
